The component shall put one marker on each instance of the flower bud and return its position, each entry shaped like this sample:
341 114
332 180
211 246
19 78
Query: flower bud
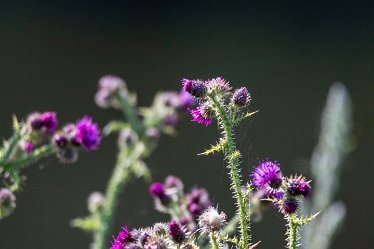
7 202
176 232
241 97
95 201
289 206
196 88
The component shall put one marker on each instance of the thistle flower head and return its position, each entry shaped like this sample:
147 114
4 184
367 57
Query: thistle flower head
67 155
50 122
124 236
241 97
7 202
127 138
267 175
202 115
95 201
60 140
297 185
157 190
176 232
186 100
173 182
108 86
197 201
88 133
218 84
34 120
289 206
27 146
211 221
196 88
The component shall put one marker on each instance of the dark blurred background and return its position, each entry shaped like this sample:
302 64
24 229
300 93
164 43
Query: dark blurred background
286 52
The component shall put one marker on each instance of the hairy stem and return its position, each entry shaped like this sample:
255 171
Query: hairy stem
291 233
213 241
232 157
37 154
8 151
120 176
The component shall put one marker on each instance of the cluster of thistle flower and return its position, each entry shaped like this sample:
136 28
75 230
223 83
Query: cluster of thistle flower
83 134
170 198
186 211
199 89
40 130
284 192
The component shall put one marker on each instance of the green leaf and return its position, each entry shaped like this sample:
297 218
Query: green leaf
220 146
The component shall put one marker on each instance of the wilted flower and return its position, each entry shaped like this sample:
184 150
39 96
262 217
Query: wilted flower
211 221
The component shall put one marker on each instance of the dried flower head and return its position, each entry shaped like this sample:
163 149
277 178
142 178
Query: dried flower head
211 221
218 84
67 155
267 175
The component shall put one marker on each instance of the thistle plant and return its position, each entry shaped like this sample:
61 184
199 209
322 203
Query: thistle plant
36 138
139 133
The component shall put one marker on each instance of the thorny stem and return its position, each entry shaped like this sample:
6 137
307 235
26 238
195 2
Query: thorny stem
232 158
291 233
129 112
213 241
37 154
120 176
10 148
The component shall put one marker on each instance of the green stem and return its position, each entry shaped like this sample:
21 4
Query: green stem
120 176
130 114
292 233
232 157
213 241
36 155
10 148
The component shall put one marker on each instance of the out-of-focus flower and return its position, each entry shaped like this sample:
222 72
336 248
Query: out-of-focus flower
88 133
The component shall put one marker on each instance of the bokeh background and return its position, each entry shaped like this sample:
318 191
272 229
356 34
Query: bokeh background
286 52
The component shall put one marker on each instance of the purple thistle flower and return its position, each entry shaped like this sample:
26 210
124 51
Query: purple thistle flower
200 116
88 133
298 185
241 97
27 146
124 236
34 120
186 100
49 121
173 182
267 176
7 202
111 83
197 201
60 140
117 245
157 190
196 88
289 206
176 232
